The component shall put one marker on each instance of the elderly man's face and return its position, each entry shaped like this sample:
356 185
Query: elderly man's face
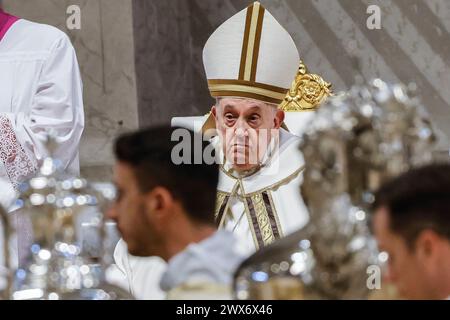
246 127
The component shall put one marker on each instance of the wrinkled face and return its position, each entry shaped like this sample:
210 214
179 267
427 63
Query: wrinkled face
406 267
132 214
246 127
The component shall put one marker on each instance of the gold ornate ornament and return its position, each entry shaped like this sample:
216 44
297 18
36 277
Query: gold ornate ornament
307 92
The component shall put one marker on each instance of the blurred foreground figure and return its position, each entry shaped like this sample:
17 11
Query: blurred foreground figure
412 225
166 209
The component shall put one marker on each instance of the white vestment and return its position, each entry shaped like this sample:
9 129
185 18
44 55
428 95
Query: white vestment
40 89
141 273
258 209
266 205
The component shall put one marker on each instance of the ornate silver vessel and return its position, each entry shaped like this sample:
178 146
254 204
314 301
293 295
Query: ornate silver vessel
59 265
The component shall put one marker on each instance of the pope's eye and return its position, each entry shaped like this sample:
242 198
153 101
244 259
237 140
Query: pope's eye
254 118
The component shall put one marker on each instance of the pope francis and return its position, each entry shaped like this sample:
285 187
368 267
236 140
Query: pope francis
250 62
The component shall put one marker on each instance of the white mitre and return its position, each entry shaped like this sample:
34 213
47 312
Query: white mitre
250 56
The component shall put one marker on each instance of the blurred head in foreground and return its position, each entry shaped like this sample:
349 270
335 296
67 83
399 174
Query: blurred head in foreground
162 204
412 224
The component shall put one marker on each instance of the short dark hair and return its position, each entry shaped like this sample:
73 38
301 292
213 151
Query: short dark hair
193 184
417 200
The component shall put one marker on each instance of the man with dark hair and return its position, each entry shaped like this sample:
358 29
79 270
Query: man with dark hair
165 208
412 224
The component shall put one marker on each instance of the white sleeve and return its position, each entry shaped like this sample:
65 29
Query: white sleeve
122 263
58 105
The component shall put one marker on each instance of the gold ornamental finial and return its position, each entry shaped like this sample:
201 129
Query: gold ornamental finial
307 92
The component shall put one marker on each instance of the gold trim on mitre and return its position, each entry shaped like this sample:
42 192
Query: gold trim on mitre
247 89
251 42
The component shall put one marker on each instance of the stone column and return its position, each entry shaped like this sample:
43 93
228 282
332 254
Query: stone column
169 38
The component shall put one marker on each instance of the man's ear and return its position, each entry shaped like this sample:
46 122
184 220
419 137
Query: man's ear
426 245
159 201
216 125
278 119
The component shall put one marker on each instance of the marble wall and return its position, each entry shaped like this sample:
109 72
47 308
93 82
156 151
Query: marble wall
169 37
105 50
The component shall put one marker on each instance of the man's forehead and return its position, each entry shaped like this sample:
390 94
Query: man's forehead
381 216
378 225
381 222
122 171
242 103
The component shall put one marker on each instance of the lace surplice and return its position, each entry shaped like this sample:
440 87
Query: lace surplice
17 163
